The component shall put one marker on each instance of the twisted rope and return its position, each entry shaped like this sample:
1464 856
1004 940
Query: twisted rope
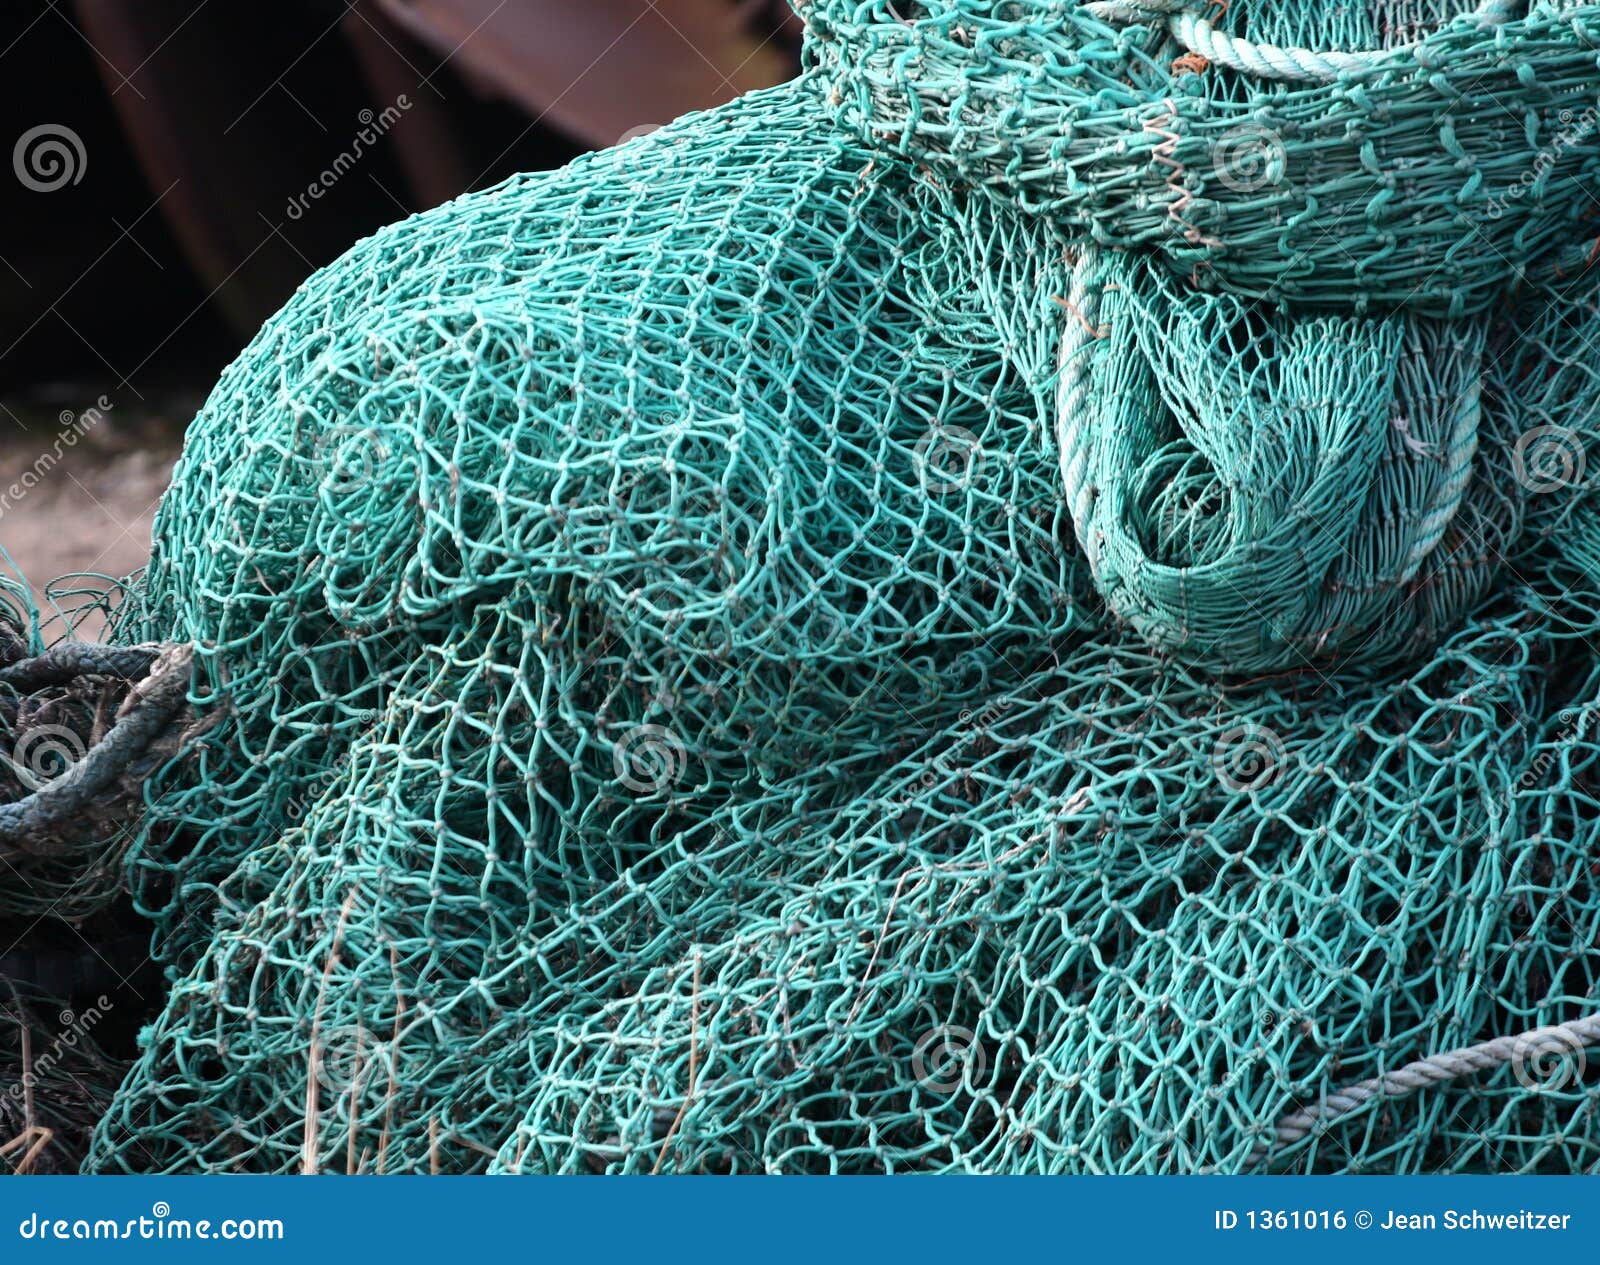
1073 397
149 708
1436 1069
1461 449
1270 61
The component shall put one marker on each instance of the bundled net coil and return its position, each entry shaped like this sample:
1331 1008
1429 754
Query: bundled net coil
1425 172
900 625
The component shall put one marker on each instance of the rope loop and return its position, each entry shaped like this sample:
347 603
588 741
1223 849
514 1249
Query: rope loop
1259 491
1266 60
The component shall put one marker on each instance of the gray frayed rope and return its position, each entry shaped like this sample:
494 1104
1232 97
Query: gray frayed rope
1561 1039
153 704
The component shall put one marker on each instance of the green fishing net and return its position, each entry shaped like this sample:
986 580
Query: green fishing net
1026 602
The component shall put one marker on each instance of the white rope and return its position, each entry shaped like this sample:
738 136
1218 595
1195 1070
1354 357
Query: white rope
1526 1050
1268 61
1461 449
1072 390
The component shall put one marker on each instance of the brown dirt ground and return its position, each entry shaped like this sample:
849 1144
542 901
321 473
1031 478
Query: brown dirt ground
91 502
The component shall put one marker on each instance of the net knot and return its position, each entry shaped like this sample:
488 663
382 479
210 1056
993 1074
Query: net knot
1378 175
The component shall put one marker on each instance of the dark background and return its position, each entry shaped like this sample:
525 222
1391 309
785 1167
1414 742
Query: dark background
175 217
199 120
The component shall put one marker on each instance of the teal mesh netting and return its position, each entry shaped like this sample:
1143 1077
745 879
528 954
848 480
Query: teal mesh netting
1026 602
